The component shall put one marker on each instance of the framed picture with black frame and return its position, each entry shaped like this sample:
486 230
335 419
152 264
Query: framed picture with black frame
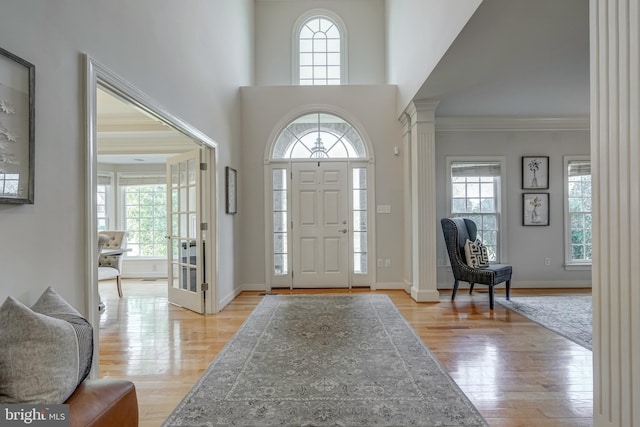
231 190
17 127
535 172
535 209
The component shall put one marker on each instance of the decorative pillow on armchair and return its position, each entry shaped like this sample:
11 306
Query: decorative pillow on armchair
476 254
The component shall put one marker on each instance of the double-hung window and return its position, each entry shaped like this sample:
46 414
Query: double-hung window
578 217
144 203
475 190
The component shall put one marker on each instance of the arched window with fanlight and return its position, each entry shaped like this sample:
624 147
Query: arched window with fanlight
314 138
319 55
319 135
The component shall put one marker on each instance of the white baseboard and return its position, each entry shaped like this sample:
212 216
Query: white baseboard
560 284
407 286
254 287
226 300
388 285
146 276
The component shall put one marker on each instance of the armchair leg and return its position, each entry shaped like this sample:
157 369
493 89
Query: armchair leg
119 284
471 288
508 289
490 297
455 289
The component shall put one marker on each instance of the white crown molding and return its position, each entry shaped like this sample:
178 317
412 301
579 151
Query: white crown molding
142 146
507 123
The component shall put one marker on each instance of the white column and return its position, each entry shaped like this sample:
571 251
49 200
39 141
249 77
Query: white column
405 119
423 200
615 156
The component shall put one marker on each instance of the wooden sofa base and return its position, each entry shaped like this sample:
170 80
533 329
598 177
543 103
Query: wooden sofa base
103 403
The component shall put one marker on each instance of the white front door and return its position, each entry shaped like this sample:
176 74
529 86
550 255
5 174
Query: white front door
185 254
320 224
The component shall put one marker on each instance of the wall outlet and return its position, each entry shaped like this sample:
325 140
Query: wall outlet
547 261
387 262
380 262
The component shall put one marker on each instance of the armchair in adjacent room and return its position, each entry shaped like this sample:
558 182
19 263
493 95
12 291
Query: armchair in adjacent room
110 263
456 233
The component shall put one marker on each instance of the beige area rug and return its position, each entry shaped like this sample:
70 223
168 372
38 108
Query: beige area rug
569 316
325 360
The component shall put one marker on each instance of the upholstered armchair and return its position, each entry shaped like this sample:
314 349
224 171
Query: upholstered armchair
110 264
456 232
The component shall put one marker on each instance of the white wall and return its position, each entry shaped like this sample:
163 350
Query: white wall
419 32
526 247
264 112
364 19
190 59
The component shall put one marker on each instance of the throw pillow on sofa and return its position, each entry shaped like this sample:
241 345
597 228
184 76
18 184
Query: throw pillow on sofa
53 305
42 361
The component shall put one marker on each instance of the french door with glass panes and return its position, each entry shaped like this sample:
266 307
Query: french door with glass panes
319 225
185 254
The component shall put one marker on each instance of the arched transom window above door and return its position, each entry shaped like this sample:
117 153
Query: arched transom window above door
319 136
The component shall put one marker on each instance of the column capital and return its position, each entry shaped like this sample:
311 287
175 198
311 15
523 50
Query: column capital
422 110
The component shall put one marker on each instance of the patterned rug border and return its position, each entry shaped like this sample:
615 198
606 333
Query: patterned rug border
554 322
474 413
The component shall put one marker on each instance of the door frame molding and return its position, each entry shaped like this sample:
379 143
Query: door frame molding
369 279
96 74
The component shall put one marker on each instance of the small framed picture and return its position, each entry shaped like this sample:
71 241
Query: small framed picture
535 173
231 186
535 209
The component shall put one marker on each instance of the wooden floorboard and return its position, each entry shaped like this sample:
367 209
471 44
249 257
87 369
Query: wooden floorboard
516 372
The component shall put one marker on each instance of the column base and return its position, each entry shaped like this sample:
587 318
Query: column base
426 295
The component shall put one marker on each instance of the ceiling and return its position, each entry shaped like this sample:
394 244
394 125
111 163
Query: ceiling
516 57
128 135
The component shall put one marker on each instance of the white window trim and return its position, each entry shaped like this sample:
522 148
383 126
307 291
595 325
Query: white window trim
121 220
502 217
568 263
110 213
295 43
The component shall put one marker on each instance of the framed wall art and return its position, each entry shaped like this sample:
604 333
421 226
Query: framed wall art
17 125
535 209
231 187
535 173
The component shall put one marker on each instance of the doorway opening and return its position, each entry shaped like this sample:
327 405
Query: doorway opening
131 140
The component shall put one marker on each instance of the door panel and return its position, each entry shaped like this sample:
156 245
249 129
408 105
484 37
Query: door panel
332 214
320 224
332 260
186 262
308 255
308 208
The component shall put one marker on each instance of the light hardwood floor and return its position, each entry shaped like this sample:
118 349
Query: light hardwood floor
516 372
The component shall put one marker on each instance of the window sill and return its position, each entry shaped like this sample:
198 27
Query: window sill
577 267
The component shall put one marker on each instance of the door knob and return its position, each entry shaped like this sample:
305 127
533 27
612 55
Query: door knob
344 230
